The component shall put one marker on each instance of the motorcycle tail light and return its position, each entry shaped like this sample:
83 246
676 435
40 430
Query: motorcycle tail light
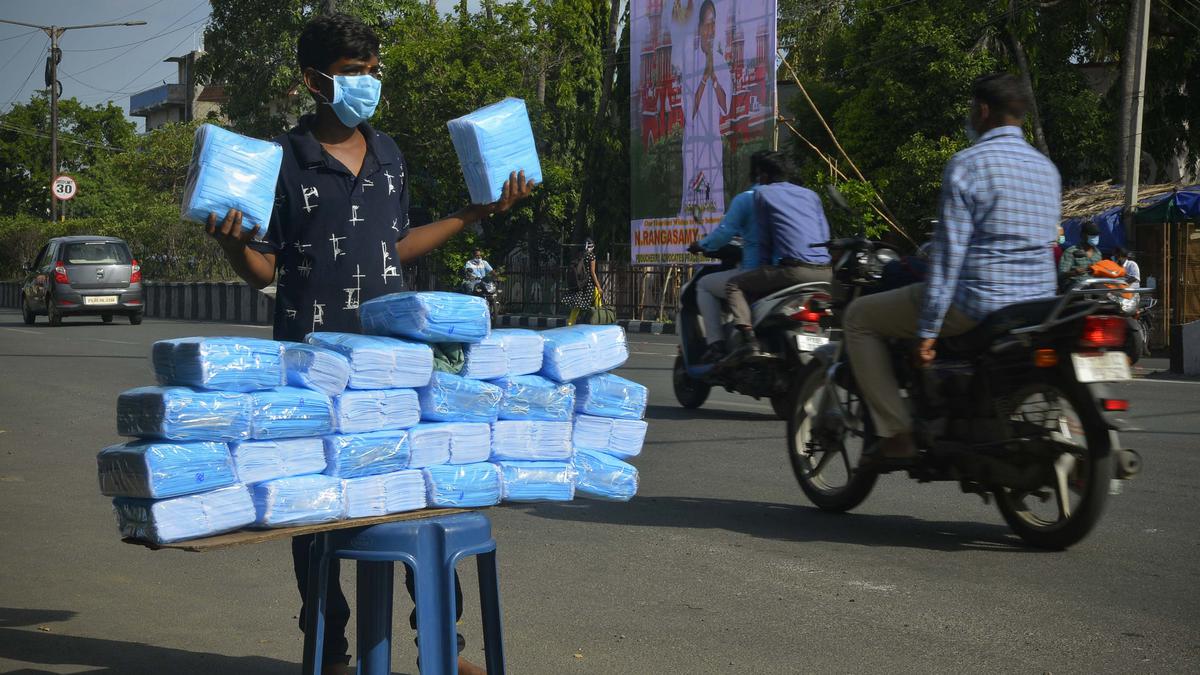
1045 358
1115 404
135 277
807 315
60 274
1103 332
815 309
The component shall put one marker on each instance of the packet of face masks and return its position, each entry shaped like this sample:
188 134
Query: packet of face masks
492 143
231 171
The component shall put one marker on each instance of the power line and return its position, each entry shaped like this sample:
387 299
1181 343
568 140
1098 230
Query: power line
181 18
8 126
22 49
14 37
1180 15
21 88
139 42
153 64
138 11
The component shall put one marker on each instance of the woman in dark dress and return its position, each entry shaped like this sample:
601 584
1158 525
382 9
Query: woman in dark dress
587 285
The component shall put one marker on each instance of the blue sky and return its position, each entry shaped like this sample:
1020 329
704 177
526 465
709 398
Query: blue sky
101 64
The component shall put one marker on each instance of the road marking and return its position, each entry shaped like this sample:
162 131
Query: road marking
115 342
22 330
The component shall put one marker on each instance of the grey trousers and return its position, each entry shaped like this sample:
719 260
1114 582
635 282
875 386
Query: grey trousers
760 282
710 293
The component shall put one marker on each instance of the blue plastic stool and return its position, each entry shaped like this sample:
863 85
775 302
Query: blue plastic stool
430 547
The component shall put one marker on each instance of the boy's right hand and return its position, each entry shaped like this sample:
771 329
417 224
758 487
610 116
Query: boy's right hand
229 233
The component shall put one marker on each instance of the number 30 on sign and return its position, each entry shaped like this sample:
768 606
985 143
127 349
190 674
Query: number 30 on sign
63 188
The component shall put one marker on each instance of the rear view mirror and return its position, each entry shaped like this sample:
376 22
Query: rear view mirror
838 199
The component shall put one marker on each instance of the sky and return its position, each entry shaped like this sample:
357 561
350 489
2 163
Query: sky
101 64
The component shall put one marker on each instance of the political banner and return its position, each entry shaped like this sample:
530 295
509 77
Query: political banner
702 101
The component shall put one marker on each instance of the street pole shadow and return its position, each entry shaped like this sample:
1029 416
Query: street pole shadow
670 413
788 522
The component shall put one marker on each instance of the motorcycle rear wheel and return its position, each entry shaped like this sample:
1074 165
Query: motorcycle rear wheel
1079 489
819 468
690 392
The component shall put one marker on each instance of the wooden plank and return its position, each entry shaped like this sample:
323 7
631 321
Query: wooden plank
243 537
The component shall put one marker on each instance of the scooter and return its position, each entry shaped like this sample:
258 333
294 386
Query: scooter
789 327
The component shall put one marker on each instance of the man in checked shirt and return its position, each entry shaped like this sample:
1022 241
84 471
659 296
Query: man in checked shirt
1000 208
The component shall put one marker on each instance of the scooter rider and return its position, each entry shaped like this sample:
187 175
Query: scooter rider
476 269
739 221
1000 206
790 220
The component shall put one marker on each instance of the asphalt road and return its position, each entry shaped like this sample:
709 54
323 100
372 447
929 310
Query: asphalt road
719 566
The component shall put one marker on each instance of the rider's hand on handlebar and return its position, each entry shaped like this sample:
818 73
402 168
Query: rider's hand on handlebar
695 248
924 354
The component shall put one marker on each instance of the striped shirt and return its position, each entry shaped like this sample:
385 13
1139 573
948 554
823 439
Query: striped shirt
1000 208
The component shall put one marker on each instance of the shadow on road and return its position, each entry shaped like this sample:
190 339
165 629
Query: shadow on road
666 412
67 323
74 356
788 522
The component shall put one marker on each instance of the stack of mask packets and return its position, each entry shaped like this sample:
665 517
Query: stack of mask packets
247 432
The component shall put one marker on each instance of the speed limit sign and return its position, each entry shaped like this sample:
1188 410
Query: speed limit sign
63 187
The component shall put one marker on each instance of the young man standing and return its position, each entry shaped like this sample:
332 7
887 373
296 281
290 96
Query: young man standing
339 232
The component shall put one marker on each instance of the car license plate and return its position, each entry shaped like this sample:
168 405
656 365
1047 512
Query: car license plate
808 343
100 300
1106 367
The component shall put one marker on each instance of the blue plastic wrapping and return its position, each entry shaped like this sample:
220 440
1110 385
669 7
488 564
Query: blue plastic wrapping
531 440
430 442
316 368
376 410
220 363
366 454
429 316
453 398
608 395
231 171
462 485
470 442
259 461
161 469
599 475
379 362
184 414
522 350
164 521
575 352
492 143
383 494
532 397
298 500
537 481
290 412
618 437
486 359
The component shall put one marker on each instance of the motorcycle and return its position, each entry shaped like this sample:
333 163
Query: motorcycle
1016 409
788 327
486 288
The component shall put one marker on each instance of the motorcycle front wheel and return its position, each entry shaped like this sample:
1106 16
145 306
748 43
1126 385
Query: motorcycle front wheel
828 429
1065 510
690 392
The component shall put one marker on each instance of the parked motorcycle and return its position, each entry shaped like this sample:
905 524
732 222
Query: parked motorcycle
788 327
1016 409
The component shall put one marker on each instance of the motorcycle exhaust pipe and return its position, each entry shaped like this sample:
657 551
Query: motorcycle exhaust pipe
1129 463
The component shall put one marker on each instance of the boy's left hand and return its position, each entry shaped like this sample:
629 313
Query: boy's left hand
515 189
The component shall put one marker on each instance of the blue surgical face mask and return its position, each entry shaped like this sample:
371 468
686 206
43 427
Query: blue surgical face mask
1093 241
969 128
355 97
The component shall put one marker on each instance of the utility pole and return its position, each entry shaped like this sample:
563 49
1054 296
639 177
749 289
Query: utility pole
56 32
1134 161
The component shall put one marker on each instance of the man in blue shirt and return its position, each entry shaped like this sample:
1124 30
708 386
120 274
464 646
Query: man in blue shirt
710 290
1000 206
790 219
339 231
475 270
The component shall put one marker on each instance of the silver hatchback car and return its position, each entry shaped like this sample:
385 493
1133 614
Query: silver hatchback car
75 276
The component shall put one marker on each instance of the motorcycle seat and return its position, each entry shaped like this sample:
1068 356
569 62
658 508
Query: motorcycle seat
996 325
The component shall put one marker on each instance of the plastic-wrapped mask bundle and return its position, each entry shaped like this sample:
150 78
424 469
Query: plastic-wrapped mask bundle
619 437
383 494
581 351
220 363
366 454
469 441
492 143
522 350
433 316
203 514
231 171
453 398
160 469
430 444
259 461
608 395
290 412
537 481
379 362
462 485
485 359
532 397
531 440
601 476
376 409
184 414
316 368
298 500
